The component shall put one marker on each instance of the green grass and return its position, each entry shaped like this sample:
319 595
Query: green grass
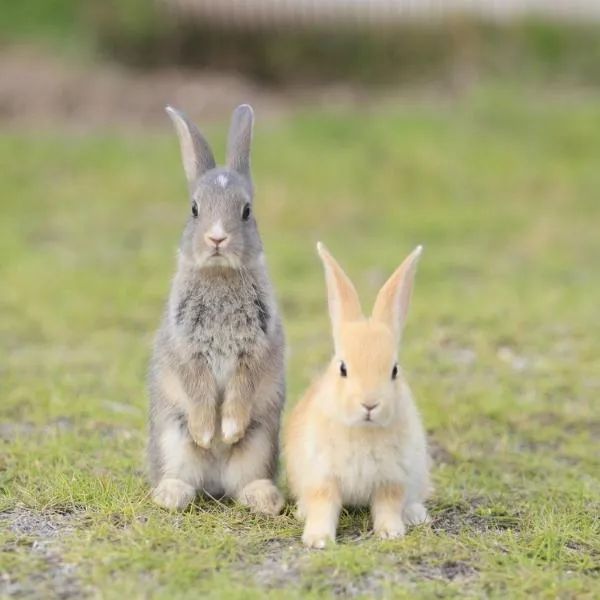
501 350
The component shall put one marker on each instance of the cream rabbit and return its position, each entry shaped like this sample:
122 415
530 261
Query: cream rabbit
356 437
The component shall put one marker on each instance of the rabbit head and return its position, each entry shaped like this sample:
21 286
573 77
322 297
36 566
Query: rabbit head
363 382
221 230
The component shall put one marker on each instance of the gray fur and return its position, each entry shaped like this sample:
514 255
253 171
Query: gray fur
195 151
240 139
220 348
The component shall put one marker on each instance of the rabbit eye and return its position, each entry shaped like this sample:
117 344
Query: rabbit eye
343 370
395 372
246 212
194 208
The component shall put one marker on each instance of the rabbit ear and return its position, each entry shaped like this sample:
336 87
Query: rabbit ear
240 139
344 304
195 152
393 300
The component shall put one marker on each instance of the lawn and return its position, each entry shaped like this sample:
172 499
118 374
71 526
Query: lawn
501 350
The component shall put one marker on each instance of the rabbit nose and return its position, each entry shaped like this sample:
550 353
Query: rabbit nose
217 240
216 236
370 407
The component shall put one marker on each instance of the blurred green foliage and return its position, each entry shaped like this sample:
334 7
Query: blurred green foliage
132 32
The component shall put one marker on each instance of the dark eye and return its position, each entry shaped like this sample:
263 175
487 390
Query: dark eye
395 372
194 208
343 370
246 212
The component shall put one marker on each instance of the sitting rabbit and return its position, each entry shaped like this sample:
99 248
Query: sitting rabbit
356 436
217 374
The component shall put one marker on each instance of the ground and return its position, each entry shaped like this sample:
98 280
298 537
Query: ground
501 188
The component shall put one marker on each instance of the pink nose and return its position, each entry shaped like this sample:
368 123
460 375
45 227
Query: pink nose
370 407
217 241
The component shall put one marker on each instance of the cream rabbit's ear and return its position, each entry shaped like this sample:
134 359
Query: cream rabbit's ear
196 154
393 300
344 305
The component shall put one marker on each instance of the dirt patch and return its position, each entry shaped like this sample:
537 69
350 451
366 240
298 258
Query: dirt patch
439 454
287 564
40 535
475 514
10 431
281 565
25 429
452 570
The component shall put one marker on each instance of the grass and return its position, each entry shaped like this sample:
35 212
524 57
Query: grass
501 350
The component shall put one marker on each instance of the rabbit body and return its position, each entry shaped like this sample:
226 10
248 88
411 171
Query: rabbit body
359 459
356 436
217 373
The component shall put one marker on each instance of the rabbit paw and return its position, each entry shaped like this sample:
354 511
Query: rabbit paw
234 421
415 514
203 439
262 496
390 530
232 430
317 539
173 494
201 425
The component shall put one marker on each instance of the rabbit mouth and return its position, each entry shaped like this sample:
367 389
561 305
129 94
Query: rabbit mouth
213 259
218 258
371 420
366 420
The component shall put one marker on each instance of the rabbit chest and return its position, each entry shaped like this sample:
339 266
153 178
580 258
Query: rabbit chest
221 320
361 461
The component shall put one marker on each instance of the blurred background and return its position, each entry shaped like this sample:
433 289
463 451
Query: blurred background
90 62
471 127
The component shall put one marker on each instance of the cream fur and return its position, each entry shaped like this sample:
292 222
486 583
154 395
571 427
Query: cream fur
335 457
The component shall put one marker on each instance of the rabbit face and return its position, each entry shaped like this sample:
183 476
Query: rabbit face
222 230
364 376
362 382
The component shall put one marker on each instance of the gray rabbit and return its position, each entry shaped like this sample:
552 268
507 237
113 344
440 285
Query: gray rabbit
217 374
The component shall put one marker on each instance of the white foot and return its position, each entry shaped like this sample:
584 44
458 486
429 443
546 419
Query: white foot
173 494
262 496
415 514
391 533
232 431
317 539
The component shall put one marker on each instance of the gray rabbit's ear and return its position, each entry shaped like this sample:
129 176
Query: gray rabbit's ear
196 154
240 139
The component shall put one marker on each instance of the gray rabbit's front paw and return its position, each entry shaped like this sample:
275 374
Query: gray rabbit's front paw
235 419
262 496
202 425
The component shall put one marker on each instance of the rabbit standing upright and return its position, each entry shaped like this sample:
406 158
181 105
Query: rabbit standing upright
356 436
217 374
